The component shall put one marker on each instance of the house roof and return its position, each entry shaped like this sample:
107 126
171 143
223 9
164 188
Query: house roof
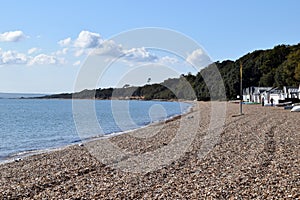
259 90
293 90
255 90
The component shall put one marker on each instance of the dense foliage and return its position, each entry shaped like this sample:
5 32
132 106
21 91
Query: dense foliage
275 67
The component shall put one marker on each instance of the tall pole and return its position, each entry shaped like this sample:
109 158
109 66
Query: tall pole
241 88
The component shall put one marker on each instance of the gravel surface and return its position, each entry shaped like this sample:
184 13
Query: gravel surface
256 156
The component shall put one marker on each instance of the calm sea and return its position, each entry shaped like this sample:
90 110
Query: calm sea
32 125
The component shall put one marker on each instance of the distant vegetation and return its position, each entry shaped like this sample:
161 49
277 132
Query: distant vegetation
275 67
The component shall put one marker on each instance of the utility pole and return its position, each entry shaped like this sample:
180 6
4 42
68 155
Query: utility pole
241 88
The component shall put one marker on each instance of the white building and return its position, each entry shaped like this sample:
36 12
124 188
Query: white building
274 94
255 94
291 92
259 94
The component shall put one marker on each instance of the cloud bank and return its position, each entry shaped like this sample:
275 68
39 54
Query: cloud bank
16 58
87 43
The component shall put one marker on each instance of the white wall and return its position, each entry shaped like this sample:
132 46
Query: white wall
276 98
246 97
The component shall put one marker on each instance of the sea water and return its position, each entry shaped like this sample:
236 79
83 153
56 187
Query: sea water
29 125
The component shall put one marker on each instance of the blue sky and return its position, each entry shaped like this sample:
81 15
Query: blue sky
33 60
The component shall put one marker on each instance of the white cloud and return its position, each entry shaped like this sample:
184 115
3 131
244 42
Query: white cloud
96 46
198 58
43 59
139 55
168 60
12 57
15 58
32 50
88 42
79 52
64 51
65 42
88 39
108 48
77 63
92 43
11 36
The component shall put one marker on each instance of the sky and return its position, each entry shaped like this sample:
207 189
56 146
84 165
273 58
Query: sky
44 45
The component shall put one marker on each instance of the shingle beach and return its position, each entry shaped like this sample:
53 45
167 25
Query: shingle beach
255 156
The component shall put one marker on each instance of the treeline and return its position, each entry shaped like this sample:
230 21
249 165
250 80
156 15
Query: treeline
177 88
275 67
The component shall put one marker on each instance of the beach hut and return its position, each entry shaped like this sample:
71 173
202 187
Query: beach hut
255 94
291 92
260 94
247 94
275 94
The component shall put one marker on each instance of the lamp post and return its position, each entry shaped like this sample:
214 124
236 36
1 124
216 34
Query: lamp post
241 88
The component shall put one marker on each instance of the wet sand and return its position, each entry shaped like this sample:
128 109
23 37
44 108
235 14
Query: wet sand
255 156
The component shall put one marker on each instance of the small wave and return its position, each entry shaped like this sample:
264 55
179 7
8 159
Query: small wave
76 141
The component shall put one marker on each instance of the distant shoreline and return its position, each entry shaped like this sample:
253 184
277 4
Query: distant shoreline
19 95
